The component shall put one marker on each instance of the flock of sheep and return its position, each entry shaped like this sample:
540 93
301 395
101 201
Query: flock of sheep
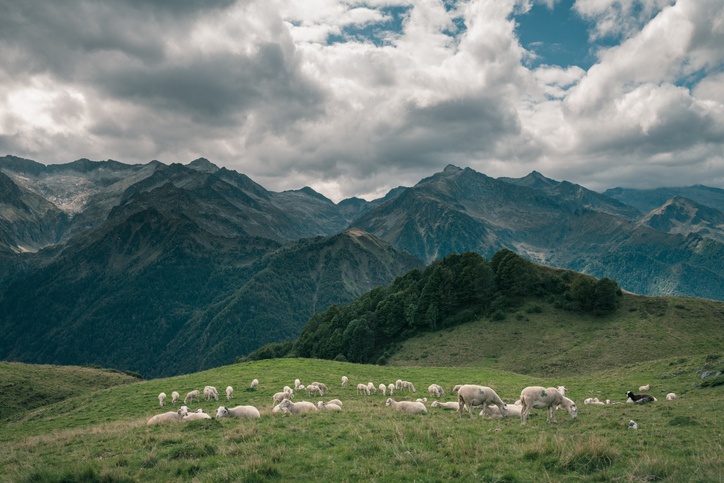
469 397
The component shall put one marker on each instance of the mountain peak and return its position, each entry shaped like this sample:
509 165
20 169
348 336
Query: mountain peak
451 168
203 165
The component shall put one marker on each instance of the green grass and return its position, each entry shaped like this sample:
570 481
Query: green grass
102 435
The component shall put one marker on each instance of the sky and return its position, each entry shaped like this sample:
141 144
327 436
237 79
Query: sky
353 97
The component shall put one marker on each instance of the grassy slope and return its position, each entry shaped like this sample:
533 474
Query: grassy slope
557 342
27 386
102 435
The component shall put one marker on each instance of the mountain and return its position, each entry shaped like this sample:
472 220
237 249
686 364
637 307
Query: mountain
684 216
647 200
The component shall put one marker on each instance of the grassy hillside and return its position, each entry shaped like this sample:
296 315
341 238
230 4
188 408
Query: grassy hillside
25 386
103 436
539 339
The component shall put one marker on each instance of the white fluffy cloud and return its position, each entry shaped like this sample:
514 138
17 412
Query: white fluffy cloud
355 97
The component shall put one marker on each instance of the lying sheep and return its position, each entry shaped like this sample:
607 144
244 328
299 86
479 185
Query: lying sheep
473 395
336 401
161 398
199 414
229 392
209 392
298 407
174 397
421 399
191 396
645 388
345 380
408 407
671 396
640 398
328 406
254 384
539 397
244 412
446 405
169 417
494 412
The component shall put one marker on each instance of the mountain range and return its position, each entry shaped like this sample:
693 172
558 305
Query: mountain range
166 269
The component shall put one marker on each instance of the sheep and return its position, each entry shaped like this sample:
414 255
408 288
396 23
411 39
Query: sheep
383 389
245 412
174 397
645 388
209 392
297 383
494 413
473 395
161 398
191 396
336 401
323 387
562 390
362 388
408 407
454 405
671 396
229 392
408 385
328 406
545 398
169 417
345 380
640 398
199 414
279 397
456 388
436 390
298 407
592 400
288 389
398 384
421 399
391 389
371 388
254 384
314 389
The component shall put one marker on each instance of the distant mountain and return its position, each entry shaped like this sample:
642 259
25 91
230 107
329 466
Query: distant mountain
683 216
647 200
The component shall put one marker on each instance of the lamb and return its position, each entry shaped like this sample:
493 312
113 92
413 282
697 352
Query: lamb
473 395
391 389
408 407
191 396
328 406
335 401
199 414
161 398
209 392
456 388
562 390
345 380
174 397
454 405
323 387
494 413
645 388
383 389
298 407
671 396
436 390
640 398
254 384
169 417
279 397
288 389
362 388
421 399
245 412
408 385
297 383
229 392
594 401
398 384
371 388
545 398
314 389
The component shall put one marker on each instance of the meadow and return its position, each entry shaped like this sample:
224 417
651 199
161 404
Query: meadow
101 435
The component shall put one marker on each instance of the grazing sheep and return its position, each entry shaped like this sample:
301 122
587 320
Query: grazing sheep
328 406
545 398
362 388
563 390
391 389
473 395
408 385
436 390
371 388
254 384
314 389
279 397
409 407
383 389
398 384
454 405
640 398
174 397
645 388
323 387
671 396
191 396
297 383
161 398
229 392
288 389
345 380
199 414
169 417
298 407
209 392
245 412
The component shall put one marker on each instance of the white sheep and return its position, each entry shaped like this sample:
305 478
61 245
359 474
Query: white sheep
398 384
371 388
408 385
436 390
645 388
298 407
562 390
539 397
288 389
421 399
229 392
456 388
409 407
254 384
199 414
362 388
244 412
169 417
671 396
446 405
191 396
336 401
391 389
297 383
323 387
494 412
328 406
345 380
314 389
473 395
209 392
279 397
161 398
383 389
174 397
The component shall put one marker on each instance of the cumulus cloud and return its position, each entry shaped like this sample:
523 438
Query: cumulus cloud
355 97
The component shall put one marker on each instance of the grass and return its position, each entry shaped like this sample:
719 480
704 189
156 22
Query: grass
102 435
